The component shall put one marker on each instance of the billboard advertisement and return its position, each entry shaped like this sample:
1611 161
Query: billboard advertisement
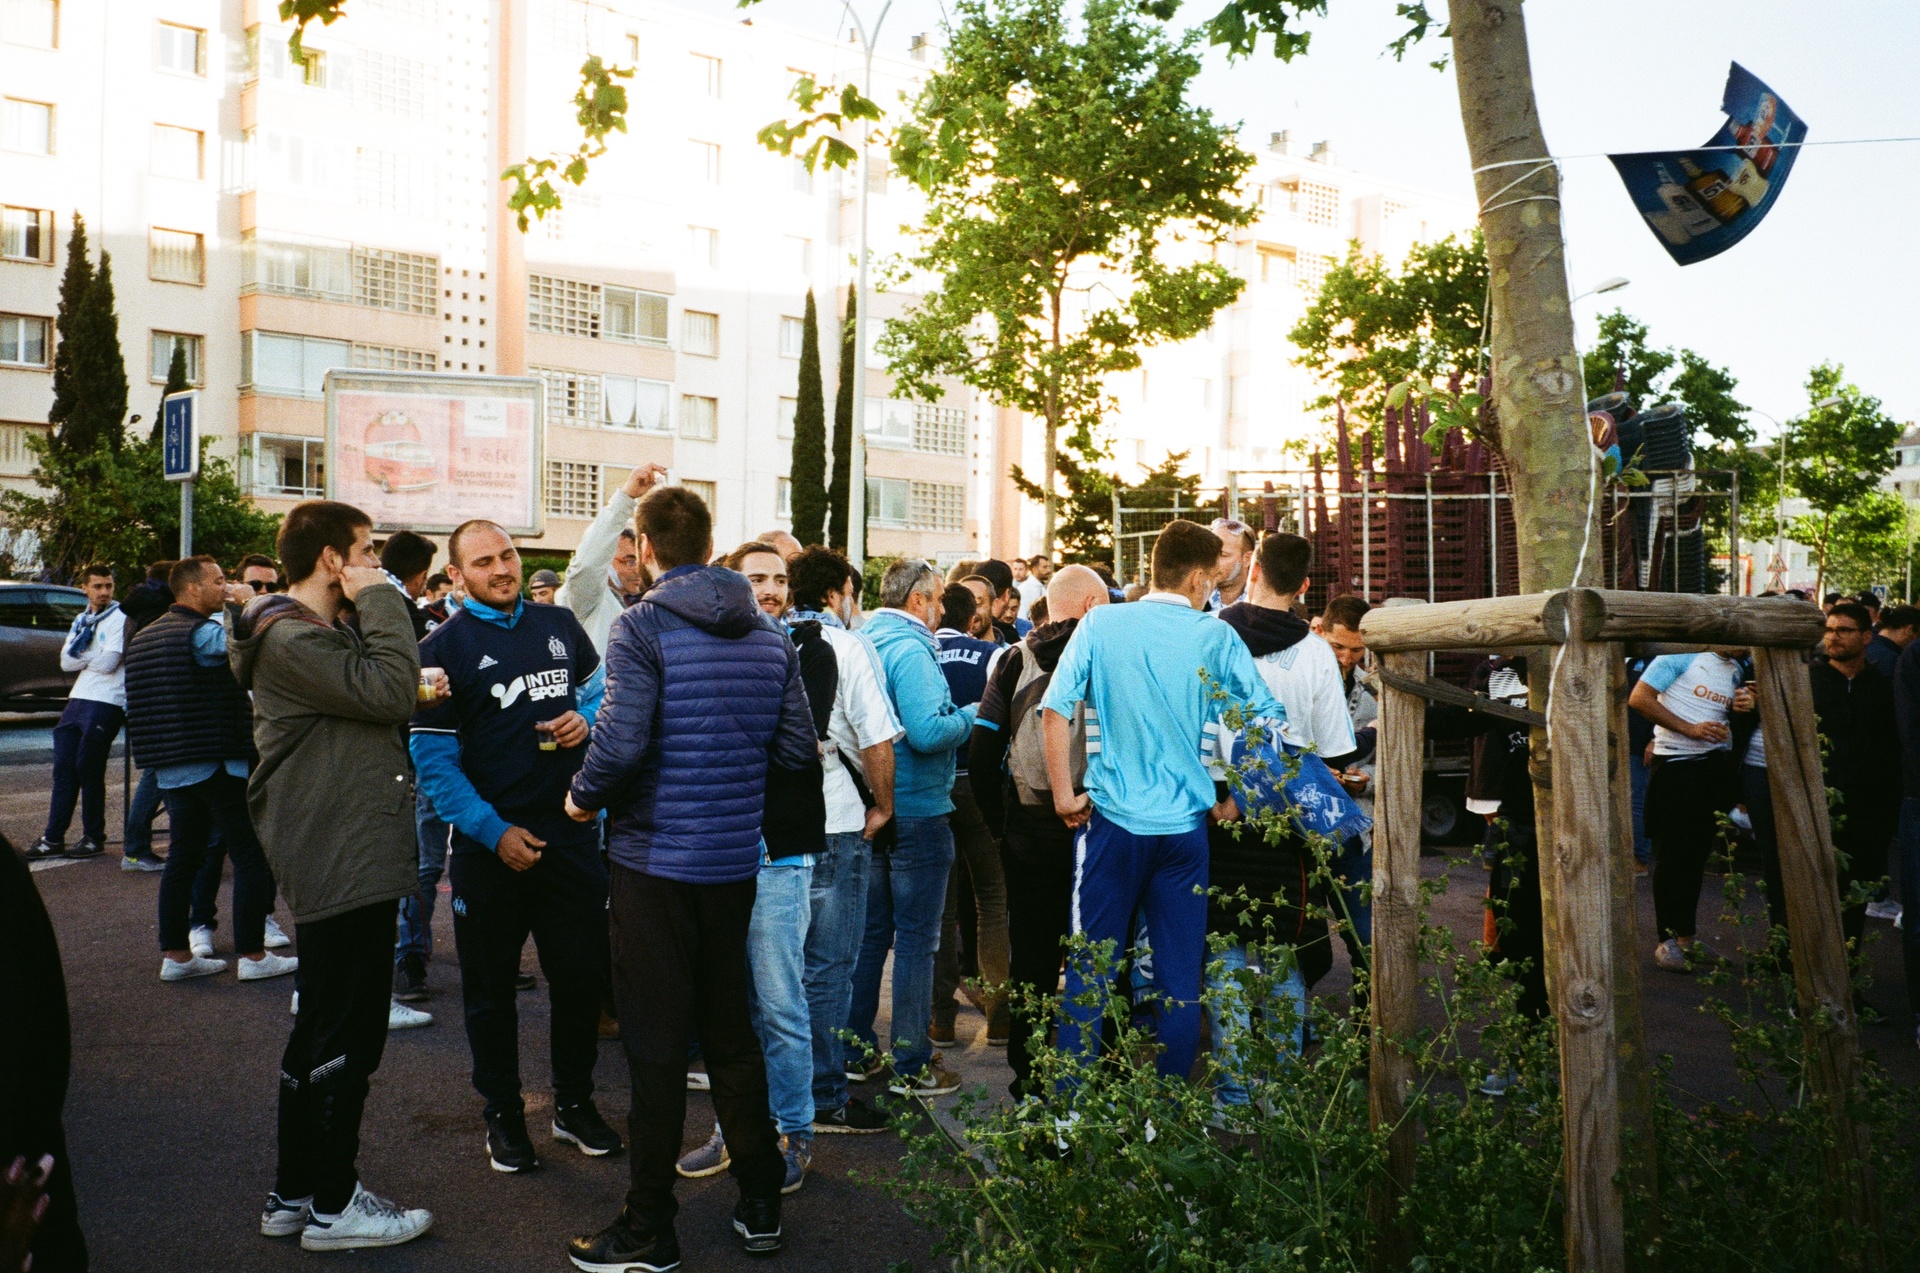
1702 202
427 452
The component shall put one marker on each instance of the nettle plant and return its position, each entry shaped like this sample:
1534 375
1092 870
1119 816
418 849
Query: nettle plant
1108 1167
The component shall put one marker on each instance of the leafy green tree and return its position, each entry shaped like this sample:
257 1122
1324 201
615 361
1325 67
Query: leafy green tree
1867 541
117 507
808 470
841 486
75 282
1373 326
1060 160
1836 457
100 371
1086 523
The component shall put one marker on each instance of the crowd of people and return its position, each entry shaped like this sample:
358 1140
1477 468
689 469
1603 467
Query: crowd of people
724 802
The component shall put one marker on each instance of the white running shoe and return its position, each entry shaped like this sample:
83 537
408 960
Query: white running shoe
1885 909
277 938
294 1007
401 1017
268 965
285 1217
188 969
200 941
368 1221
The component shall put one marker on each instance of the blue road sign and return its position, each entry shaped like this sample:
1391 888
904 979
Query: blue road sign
180 436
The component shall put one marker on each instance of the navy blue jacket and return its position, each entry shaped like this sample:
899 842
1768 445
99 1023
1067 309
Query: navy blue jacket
703 691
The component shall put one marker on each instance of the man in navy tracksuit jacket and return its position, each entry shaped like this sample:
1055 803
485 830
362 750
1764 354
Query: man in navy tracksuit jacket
522 676
703 693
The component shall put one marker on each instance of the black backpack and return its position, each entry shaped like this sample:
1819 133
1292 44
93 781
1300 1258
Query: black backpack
795 820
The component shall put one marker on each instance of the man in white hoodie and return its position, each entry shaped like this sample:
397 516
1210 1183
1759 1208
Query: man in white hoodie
605 576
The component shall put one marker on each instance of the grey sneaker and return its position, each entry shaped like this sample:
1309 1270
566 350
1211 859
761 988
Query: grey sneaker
710 1159
1669 957
797 1149
143 862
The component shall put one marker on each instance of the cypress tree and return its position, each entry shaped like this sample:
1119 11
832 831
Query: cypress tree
843 410
74 285
99 369
809 466
177 382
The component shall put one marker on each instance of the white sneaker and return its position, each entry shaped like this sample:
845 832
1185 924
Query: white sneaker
200 941
285 1217
401 1017
294 1007
268 965
368 1221
1886 909
276 936
1499 1083
186 970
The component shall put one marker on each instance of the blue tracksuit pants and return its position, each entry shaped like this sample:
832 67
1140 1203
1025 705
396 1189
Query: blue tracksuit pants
1115 873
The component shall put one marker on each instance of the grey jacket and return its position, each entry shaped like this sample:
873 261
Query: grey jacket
332 796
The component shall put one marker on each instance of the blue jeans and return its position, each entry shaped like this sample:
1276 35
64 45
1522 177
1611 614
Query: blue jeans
776 956
1354 864
838 896
1115 873
1637 770
141 811
415 931
1909 841
906 896
1230 1018
82 742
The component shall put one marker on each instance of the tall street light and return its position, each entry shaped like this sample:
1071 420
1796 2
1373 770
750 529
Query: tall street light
857 464
1613 284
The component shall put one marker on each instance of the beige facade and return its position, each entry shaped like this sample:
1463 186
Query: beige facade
344 211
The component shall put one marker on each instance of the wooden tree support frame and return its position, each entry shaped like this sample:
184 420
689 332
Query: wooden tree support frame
1580 636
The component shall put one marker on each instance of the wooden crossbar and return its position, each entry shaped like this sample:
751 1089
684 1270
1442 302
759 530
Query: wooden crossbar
1594 615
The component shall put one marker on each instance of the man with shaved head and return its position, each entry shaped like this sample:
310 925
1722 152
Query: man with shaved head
1036 847
788 546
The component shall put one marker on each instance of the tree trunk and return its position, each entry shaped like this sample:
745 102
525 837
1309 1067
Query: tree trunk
1052 434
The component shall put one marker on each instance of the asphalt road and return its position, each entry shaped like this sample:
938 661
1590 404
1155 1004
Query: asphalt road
171 1114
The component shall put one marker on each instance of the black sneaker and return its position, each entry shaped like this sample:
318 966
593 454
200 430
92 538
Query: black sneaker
582 1125
627 1246
757 1221
44 848
87 848
856 1117
524 981
509 1147
410 978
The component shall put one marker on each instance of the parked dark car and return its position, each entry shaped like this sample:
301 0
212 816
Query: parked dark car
34 618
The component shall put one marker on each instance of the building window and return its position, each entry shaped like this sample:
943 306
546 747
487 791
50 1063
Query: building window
391 358
313 68
631 315
704 159
633 49
396 85
573 489
889 422
402 281
24 340
887 501
15 459
783 497
573 397
393 182
33 23
318 270
160 356
289 366
179 152
938 506
802 176
26 126
706 75
176 256
700 334
939 430
708 494
284 467
799 254
26 234
877 169
1278 265
703 245
1313 270
699 417
632 403
1319 205
793 336
562 306
181 50
783 417
319 167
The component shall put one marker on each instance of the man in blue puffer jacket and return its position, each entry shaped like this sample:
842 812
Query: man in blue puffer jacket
907 889
703 692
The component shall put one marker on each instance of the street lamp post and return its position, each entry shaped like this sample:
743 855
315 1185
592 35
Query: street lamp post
1613 284
857 465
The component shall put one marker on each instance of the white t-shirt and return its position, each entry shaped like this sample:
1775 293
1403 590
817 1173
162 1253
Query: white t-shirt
1757 748
1694 687
862 717
102 678
1305 677
1030 590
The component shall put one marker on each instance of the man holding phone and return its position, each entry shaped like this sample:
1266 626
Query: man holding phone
495 758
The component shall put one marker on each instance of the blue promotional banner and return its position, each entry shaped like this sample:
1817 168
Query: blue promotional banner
1702 202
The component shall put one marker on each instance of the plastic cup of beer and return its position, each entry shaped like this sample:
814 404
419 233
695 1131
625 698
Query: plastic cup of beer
543 732
429 691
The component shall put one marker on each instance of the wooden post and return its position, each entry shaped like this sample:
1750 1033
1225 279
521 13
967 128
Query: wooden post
1581 955
1629 1025
1396 920
1810 881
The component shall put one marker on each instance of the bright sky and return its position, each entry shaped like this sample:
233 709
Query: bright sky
1819 279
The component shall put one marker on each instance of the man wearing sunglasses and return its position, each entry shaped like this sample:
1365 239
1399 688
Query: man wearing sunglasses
258 572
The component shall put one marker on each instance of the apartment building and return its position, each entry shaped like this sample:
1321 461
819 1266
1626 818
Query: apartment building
344 211
1231 398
